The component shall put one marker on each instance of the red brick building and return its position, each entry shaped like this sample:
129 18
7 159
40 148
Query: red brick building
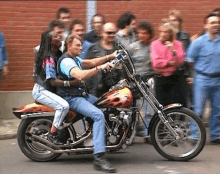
22 23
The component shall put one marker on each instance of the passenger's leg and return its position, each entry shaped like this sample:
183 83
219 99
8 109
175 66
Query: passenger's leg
54 101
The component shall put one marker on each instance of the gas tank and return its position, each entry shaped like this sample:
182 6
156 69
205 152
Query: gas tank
119 97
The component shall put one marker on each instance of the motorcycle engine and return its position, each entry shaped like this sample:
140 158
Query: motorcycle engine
117 119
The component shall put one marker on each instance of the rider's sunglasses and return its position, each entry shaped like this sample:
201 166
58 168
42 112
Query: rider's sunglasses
110 32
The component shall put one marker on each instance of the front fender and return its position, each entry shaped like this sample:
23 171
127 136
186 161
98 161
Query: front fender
171 106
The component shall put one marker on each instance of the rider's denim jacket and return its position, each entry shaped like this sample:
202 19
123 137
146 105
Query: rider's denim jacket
3 53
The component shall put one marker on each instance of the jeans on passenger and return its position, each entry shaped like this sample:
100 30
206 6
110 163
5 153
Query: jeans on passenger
85 107
204 88
52 100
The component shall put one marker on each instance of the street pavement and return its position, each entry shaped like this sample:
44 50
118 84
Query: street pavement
137 159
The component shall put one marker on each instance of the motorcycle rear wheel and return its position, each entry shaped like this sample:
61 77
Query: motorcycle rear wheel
37 126
187 147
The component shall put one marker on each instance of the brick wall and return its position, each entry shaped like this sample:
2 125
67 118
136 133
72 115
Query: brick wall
23 22
193 11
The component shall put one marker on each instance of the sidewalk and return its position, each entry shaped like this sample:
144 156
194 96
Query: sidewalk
8 128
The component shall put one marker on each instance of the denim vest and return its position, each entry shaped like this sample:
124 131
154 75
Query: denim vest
77 91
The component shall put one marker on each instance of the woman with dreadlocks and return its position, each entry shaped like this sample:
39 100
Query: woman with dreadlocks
46 77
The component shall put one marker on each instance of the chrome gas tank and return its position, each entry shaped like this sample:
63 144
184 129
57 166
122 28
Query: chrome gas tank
119 96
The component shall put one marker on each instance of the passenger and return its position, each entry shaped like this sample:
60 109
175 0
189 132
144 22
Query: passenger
46 77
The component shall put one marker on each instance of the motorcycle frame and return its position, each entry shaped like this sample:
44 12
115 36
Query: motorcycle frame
146 93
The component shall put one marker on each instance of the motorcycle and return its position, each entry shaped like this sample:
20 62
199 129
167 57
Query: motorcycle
169 128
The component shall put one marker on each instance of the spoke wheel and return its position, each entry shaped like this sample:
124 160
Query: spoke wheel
36 126
188 145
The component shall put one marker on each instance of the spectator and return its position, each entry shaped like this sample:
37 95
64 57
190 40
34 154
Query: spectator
95 35
217 11
167 55
3 57
64 15
77 28
134 26
125 35
101 82
140 53
204 54
181 35
176 19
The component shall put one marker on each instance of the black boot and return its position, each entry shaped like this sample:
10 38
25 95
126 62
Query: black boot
54 138
100 163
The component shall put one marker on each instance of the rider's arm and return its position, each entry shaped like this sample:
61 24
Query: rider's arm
98 61
83 74
69 67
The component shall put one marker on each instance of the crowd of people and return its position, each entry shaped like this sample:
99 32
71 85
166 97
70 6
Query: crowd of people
179 68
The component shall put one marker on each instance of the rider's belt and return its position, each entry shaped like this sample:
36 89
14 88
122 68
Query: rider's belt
208 75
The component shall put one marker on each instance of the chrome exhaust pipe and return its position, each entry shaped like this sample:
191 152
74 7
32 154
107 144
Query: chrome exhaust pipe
57 149
45 141
45 147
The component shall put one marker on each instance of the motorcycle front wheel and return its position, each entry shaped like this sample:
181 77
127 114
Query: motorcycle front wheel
190 129
37 126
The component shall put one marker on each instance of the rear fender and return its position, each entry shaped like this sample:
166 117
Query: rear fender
171 106
33 110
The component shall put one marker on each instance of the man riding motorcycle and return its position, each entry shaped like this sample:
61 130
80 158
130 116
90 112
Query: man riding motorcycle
69 68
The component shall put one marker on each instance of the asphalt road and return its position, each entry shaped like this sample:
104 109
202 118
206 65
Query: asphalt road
137 159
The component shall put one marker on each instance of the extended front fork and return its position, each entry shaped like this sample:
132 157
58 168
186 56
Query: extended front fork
157 107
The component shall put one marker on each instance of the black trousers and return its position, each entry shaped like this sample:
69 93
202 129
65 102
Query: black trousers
171 89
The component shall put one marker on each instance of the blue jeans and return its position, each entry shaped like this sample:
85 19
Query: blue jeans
52 100
0 77
85 107
146 112
204 88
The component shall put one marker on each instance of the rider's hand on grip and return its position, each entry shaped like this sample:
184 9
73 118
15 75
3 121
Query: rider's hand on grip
107 67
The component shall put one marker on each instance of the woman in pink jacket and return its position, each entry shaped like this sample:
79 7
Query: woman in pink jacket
167 56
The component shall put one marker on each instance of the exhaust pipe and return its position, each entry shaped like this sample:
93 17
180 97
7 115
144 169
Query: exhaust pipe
43 140
57 149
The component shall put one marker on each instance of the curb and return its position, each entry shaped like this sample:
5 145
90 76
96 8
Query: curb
8 128
8 136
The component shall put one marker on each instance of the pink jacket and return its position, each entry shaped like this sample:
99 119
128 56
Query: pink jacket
160 55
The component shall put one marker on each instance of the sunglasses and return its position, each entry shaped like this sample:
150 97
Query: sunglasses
110 32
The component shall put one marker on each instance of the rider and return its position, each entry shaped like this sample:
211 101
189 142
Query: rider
70 67
46 77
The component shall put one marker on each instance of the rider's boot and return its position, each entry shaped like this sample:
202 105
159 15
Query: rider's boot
100 163
54 138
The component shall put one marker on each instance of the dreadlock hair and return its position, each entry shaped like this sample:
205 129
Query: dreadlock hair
44 51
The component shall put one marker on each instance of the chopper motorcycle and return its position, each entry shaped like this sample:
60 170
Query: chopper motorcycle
169 128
